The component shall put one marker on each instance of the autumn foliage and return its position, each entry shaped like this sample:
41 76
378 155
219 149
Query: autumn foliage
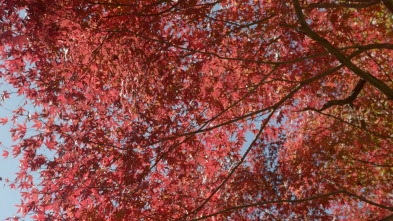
144 108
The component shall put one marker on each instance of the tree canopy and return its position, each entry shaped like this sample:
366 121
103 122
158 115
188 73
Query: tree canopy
144 108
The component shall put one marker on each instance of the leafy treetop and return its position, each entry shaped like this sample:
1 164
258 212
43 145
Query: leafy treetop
145 106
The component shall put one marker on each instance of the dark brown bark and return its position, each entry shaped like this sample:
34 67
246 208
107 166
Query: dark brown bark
349 4
380 85
348 100
389 218
388 4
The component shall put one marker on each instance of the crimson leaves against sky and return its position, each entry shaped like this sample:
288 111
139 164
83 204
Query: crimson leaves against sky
145 106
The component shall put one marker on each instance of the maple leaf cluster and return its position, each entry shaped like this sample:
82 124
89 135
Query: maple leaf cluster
144 108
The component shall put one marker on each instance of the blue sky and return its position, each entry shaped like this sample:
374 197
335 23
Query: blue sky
8 167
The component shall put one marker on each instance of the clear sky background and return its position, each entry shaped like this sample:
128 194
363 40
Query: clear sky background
8 167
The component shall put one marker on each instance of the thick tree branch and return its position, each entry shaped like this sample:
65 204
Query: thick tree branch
348 100
389 218
388 4
380 85
301 84
344 4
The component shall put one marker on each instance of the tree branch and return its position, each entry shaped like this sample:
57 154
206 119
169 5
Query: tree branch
380 85
388 4
301 84
348 100
361 48
201 128
268 202
361 198
195 211
274 108
344 5
354 125
389 218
